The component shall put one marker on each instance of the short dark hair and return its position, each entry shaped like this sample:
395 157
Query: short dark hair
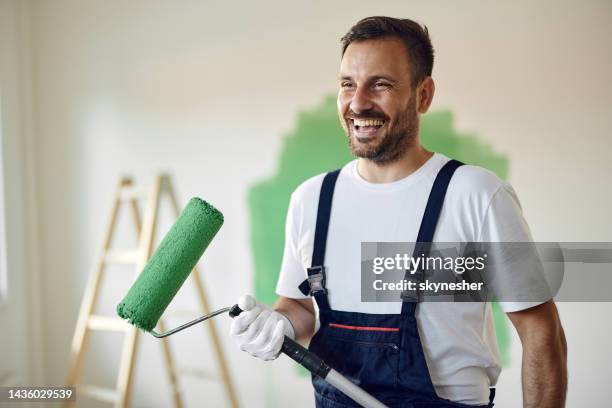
414 36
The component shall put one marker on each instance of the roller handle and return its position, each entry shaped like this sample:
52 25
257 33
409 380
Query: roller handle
299 354
318 367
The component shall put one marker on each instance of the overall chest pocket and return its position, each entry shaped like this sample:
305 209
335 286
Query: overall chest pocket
368 356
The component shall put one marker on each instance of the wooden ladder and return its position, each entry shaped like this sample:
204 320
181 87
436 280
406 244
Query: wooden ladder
88 321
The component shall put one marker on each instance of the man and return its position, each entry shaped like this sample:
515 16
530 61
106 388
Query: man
406 354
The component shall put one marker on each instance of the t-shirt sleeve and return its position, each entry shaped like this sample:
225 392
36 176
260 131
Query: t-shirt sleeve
292 271
504 223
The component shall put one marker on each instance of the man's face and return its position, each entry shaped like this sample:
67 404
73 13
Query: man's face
376 100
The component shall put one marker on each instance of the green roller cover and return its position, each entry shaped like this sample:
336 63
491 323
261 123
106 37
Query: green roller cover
170 265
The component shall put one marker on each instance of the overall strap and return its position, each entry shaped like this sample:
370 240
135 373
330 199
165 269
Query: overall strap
315 284
491 397
428 226
323 214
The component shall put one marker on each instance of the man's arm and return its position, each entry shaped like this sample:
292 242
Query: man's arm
301 314
544 356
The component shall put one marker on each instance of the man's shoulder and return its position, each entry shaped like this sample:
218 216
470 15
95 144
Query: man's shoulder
309 186
475 180
309 189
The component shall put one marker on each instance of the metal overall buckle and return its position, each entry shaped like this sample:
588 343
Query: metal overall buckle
413 296
316 280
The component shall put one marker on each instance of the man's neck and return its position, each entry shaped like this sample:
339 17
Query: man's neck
410 162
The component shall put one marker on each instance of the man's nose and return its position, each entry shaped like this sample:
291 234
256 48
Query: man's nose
361 100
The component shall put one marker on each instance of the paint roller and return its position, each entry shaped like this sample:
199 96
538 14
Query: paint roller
169 267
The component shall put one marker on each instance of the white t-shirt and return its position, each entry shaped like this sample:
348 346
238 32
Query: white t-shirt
458 338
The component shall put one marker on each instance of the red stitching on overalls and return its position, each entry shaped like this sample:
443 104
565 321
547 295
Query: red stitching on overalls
364 328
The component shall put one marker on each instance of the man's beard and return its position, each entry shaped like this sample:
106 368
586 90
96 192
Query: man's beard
394 142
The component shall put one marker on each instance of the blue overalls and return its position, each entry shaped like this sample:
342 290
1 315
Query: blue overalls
382 353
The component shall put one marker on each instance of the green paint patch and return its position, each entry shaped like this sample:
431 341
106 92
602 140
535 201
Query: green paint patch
318 144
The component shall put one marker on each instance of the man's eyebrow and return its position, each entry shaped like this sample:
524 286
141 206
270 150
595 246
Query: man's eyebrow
370 79
386 78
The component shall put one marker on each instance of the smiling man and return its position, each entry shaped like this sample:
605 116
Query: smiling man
407 354
380 118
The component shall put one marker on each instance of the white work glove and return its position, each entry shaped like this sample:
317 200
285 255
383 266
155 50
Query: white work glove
258 330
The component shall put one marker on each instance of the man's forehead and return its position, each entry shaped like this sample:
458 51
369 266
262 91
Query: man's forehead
385 57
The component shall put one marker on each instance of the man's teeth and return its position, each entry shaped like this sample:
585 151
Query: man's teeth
368 122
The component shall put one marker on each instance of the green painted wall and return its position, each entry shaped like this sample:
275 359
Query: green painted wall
318 144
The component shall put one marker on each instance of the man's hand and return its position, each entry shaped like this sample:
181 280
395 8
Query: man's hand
544 356
259 330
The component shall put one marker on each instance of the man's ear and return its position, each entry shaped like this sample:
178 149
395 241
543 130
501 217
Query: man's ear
425 93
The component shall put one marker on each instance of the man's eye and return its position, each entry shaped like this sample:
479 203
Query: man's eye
346 85
381 85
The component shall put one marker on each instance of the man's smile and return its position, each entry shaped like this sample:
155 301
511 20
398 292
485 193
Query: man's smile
365 129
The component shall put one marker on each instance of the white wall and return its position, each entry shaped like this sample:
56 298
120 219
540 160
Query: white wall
21 345
205 90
